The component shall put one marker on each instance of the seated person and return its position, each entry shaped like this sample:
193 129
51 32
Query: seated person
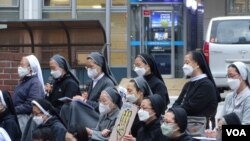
150 113
45 116
175 125
229 119
4 136
110 103
8 117
76 133
137 90
44 134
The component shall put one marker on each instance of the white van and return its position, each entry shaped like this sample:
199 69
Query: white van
227 41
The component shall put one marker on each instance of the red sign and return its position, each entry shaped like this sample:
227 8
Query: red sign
146 13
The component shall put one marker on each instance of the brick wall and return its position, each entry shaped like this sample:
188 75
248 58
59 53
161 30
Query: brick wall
8 70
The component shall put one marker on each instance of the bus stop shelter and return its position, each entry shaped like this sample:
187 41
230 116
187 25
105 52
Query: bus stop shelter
73 39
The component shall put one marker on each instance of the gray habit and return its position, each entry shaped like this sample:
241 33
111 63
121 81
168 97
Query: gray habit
94 93
106 121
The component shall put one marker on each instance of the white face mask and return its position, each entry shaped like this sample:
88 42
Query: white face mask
38 119
92 73
23 71
56 74
187 69
234 84
140 71
131 98
104 109
143 115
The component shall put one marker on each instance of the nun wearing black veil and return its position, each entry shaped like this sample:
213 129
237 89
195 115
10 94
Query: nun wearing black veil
84 109
8 117
66 83
145 65
199 96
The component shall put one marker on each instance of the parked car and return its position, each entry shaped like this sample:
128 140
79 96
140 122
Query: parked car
227 40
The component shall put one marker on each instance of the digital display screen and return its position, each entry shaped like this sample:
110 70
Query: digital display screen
162 19
159 36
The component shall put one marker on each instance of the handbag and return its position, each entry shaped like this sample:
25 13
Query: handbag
196 126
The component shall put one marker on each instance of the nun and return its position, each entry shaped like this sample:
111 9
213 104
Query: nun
145 65
137 90
4 136
110 103
30 87
238 100
101 77
8 117
228 119
199 96
174 125
150 112
66 83
45 116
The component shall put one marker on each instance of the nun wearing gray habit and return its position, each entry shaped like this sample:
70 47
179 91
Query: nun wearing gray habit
107 80
64 86
143 86
83 112
107 121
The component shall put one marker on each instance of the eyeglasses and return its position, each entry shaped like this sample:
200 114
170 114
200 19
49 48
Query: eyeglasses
232 75
145 108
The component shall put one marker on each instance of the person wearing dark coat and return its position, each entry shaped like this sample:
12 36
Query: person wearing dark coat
45 116
137 90
199 96
30 87
77 133
66 83
150 113
100 74
228 119
110 104
146 66
8 117
175 124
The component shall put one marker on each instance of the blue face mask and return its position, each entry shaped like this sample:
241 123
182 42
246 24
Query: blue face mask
167 129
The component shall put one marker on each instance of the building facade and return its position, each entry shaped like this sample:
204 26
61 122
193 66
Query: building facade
167 29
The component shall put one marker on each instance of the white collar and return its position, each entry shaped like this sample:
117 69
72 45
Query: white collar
99 77
198 77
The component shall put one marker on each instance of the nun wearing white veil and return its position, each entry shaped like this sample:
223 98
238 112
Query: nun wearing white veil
4 136
30 87
238 100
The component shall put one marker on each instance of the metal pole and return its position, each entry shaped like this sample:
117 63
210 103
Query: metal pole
108 7
21 9
73 10
128 42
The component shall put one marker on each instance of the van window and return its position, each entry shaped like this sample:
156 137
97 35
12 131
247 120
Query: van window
230 32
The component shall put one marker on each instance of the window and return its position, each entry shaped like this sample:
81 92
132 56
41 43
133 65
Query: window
224 32
118 39
238 7
94 4
60 3
8 3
